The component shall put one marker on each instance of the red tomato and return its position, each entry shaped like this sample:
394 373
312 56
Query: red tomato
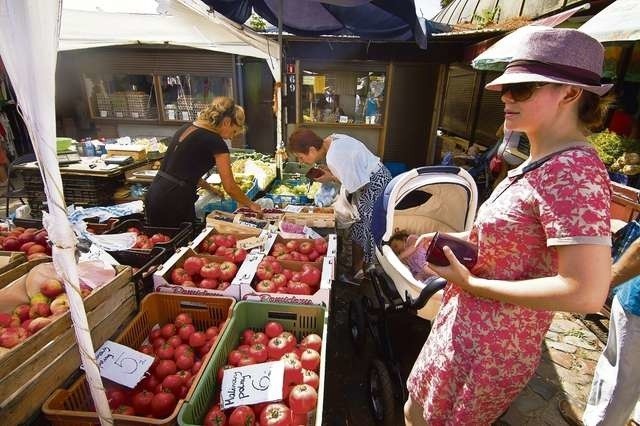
310 359
302 399
183 349
275 415
310 275
173 383
292 371
280 280
242 416
297 287
246 360
310 378
166 351
246 336
312 341
259 352
212 332
141 402
197 339
174 341
179 276
186 331
266 286
273 329
183 319
277 347
215 417
193 264
290 339
116 396
164 368
211 270
259 337
162 404
185 361
234 357
168 330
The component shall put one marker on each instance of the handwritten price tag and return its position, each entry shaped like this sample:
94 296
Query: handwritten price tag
251 242
293 209
252 384
122 364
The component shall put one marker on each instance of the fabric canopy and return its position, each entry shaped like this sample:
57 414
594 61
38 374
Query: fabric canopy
371 20
620 21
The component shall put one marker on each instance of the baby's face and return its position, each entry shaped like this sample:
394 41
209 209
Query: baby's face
397 246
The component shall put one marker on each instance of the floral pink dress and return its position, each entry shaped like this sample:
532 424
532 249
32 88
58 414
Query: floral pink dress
481 353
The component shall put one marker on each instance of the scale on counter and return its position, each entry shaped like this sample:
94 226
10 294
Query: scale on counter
68 157
119 160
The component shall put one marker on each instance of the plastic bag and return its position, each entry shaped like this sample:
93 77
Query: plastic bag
326 195
346 213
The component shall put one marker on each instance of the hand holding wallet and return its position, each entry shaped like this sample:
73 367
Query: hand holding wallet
464 251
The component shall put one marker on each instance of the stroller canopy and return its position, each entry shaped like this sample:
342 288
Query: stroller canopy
426 199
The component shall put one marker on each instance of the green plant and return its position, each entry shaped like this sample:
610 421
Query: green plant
487 17
257 23
608 145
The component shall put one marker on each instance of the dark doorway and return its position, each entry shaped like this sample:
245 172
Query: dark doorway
257 86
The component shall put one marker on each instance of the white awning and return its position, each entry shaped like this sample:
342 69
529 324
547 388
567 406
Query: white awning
620 21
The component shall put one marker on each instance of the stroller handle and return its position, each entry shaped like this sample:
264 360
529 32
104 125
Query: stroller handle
432 286
438 169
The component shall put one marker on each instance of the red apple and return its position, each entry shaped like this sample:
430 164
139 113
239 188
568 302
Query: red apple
51 287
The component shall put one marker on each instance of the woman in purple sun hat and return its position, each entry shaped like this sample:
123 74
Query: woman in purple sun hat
543 240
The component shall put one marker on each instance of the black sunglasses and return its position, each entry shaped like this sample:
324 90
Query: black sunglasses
521 91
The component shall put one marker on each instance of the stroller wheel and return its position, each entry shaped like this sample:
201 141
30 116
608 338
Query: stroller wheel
381 399
357 324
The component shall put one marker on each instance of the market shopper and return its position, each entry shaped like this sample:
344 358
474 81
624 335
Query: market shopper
349 162
616 380
543 240
193 151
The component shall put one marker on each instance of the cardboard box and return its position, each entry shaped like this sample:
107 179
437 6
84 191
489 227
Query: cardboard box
315 217
162 276
269 236
320 297
233 223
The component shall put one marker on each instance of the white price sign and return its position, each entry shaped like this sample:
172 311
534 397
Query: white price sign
310 233
293 208
252 384
122 364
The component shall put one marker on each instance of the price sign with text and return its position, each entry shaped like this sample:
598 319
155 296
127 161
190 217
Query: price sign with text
122 364
252 384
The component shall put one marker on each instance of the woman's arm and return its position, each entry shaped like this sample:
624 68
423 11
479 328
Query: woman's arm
579 286
223 164
627 266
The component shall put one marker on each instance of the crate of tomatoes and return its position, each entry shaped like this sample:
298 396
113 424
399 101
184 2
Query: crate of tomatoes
287 281
181 332
262 332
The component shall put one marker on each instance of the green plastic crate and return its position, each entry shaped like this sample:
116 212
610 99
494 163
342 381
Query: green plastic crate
297 319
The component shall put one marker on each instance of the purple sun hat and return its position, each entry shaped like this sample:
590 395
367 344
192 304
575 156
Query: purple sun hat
556 55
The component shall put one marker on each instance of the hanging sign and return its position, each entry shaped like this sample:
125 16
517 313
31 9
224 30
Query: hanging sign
252 384
121 364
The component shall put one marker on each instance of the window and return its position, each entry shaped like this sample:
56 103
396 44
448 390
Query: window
121 96
185 95
342 96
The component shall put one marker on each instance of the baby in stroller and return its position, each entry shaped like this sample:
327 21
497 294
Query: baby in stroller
411 254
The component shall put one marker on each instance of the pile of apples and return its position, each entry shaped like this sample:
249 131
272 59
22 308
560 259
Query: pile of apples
272 277
28 318
31 241
200 272
178 348
300 250
145 242
301 380
223 245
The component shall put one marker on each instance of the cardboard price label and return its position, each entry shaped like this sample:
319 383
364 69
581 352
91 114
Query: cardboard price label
251 242
310 233
252 384
122 364
293 209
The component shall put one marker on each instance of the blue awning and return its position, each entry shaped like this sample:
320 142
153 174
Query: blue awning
370 20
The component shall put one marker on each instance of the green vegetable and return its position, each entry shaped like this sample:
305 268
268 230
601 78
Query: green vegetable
608 145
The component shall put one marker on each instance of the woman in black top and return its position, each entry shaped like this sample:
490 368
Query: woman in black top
193 151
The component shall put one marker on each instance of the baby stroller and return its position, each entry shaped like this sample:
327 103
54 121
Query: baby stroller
422 200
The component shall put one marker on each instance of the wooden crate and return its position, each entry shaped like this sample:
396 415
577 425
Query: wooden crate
226 227
315 217
10 259
31 371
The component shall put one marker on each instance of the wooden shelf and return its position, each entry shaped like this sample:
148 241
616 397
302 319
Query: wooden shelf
347 125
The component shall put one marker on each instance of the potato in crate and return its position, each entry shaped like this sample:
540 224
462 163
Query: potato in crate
202 321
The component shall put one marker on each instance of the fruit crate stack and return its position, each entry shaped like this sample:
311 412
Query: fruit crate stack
32 368
73 406
298 320
140 105
103 105
119 104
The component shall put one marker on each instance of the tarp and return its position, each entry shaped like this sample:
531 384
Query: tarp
620 21
29 47
496 57
370 20
98 23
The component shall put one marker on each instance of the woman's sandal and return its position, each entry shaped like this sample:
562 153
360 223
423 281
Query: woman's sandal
568 414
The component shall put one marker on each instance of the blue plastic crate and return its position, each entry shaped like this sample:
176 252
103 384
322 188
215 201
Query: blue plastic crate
229 204
290 199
